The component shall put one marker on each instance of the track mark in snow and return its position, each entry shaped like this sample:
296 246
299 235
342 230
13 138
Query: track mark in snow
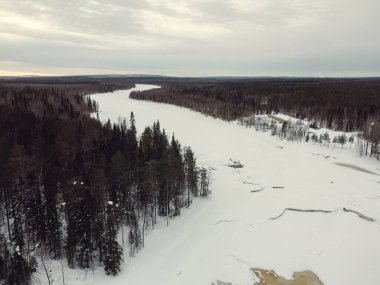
259 190
254 184
325 156
360 215
301 210
373 198
250 183
224 221
240 260
251 226
355 167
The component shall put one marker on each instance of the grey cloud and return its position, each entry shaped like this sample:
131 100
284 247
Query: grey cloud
273 37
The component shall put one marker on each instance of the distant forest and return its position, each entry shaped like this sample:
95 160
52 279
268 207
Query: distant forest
69 184
339 104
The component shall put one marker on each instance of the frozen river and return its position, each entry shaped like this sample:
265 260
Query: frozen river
224 236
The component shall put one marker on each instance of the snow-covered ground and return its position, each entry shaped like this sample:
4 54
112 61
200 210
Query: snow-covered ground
223 236
306 123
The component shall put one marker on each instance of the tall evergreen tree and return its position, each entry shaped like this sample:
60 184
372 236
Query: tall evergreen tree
191 173
113 252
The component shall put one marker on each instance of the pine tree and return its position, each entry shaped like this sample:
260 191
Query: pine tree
204 181
53 218
351 140
145 144
134 236
131 146
166 181
284 128
19 167
273 129
20 270
320 139
118 180
178 176
191 173
342 139
4 260
99 185
113 252
326 137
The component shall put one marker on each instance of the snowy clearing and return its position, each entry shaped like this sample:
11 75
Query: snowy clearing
226 235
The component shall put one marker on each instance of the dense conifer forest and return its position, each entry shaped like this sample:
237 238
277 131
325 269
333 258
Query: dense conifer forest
339 104
71 186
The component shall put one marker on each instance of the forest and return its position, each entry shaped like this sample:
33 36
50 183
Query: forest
338 104
71 186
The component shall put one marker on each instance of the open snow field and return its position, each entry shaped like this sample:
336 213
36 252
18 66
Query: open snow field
240 225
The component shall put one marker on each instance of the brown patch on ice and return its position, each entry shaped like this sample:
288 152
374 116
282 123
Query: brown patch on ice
269 277
355 167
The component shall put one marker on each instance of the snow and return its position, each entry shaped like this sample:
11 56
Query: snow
223 236
333 133
318 132
289 118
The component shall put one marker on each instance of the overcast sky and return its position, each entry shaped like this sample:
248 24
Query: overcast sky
191 37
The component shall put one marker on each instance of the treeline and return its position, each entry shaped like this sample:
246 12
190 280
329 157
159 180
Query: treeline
339 104
67 86
42 101
69 184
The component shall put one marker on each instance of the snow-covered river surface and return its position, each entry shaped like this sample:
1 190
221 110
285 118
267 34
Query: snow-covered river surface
223 236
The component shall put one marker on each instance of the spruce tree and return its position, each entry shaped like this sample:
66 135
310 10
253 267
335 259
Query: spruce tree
191 173
204 182
113 252
134 236
342 139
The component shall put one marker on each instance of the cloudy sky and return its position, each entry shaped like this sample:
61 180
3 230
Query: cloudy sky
191 37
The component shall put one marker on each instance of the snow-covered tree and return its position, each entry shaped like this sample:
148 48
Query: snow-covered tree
351 140
326 138
342 139
204 182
